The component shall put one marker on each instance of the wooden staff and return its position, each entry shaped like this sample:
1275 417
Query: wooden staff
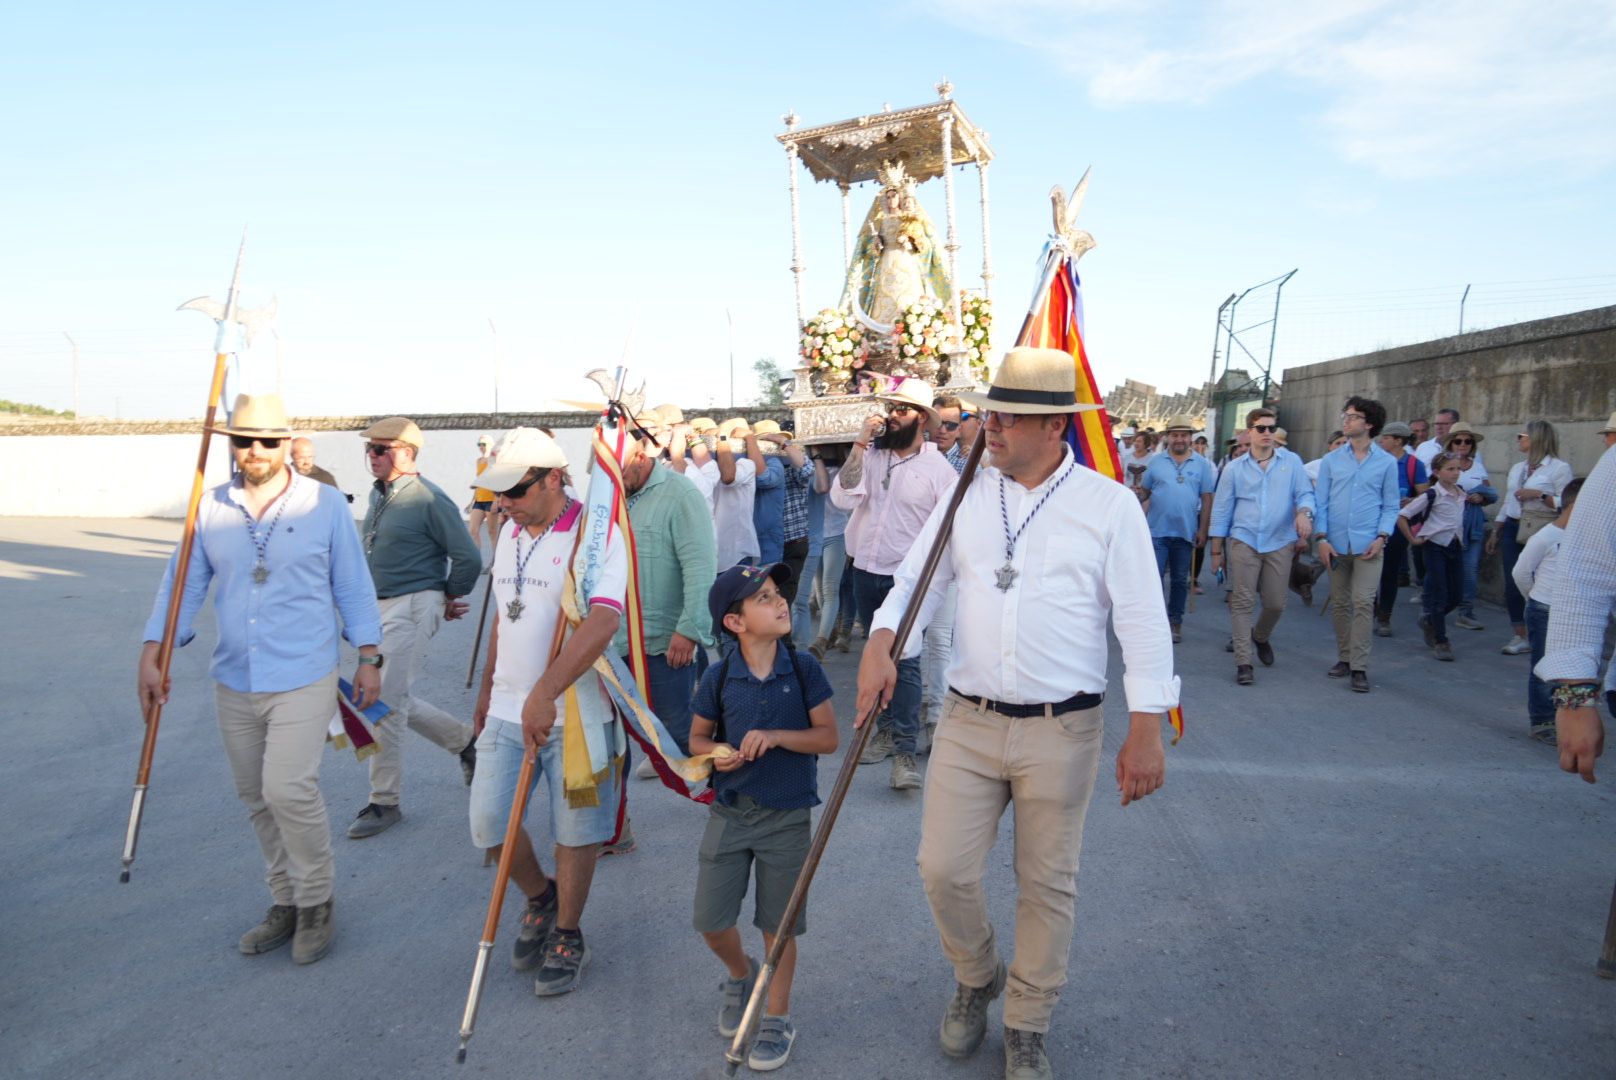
176 595
502 875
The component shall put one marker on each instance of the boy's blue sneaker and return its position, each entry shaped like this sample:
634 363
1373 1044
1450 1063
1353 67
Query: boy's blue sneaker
735 992
773 1046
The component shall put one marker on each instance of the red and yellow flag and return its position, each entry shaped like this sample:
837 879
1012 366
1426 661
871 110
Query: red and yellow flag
1056 322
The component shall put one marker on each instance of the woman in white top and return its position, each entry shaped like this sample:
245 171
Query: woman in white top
1534 576
1533 488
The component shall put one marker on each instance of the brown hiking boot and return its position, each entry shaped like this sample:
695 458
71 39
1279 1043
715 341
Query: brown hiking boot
312 939
904 774
965 1023
272 933
1024 1057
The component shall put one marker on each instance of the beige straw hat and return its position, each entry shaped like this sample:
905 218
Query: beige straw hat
1032 381
258 415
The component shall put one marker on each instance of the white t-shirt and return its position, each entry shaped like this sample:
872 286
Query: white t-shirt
732 512
524 641
1534 570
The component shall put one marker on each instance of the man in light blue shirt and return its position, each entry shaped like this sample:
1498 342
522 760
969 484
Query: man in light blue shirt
1178 486
1358 503
287 559
1263 507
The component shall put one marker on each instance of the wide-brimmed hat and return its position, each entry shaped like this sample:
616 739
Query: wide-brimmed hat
395 429
671 414
1035 381
521 449
259 415
1399 429
703 425
1610 426
1460 429
1179 423
908 390
727 428
766 428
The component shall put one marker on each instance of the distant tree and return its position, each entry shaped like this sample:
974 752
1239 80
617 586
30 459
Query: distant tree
22 408
771 382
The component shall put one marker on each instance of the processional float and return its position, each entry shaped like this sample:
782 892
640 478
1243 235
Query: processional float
236 330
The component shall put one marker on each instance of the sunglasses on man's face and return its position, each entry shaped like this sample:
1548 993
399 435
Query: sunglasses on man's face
244 442
950 425
378 449
1265 428
522 489
900 410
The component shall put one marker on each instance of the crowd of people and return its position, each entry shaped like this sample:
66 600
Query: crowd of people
754 558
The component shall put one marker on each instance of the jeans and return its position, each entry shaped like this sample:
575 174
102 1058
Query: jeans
802 621
1396 563
832 564
796 554
902 716
1174 556
847 605
1472 570
935 655
1510 549
1444 584
1539 695
671 689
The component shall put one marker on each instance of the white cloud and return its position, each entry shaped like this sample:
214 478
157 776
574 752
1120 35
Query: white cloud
1419 87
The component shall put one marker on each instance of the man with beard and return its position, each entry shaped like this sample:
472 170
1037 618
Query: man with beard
286 559
1178 488
891 490
422 560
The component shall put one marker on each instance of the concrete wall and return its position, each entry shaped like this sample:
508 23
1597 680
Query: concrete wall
1562 370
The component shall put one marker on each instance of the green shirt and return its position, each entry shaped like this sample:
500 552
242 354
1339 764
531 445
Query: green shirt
677 559
411 527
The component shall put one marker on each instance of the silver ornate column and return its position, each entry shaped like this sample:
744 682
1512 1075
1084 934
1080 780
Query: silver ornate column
797 267
847 236
952 247
987 234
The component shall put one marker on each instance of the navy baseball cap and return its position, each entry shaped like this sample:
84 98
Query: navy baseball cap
737 583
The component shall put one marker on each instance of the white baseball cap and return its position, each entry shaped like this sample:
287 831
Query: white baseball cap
521 449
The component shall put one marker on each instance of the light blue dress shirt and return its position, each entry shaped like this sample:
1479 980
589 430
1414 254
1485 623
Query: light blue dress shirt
769 510
1258 506
1175 494
1358 500
280 634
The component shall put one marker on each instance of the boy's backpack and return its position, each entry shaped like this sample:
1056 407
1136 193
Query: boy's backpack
723 674
1416 520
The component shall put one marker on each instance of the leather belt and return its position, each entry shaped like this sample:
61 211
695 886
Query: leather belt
1010 708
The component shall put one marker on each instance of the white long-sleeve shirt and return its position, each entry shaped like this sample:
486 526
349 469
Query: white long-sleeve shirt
1585 585
1085 559
1534 570
1550 477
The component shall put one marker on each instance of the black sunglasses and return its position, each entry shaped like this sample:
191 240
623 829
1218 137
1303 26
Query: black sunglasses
522 489
1461 442
244 442
1265 427
950 425
377 449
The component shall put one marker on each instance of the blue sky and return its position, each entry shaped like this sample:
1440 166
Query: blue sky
410 172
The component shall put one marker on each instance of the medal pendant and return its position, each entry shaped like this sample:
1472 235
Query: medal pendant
260 574
1180 479
1006 576
514 609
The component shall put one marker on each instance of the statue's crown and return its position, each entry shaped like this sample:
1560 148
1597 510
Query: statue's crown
893 176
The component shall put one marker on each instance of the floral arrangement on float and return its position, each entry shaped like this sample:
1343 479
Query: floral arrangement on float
920 333
832 349
976 332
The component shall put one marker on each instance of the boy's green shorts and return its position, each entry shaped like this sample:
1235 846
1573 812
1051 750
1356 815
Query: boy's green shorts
738 837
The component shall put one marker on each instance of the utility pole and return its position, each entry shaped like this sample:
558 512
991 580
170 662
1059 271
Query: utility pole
75 345
495 331
731 320
280 370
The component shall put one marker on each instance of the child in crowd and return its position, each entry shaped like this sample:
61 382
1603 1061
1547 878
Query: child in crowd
1434 523
773 706
1534 576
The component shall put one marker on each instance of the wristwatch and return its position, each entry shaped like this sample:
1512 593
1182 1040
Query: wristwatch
373 661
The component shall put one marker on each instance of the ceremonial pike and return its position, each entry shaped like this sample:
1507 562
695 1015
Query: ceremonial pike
236 328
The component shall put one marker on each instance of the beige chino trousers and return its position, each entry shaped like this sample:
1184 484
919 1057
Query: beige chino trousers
408 625
273 742
1045 767
1254 575
1353 585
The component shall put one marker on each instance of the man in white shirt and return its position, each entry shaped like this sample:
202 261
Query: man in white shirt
524 683
1044 554
891 490
731 470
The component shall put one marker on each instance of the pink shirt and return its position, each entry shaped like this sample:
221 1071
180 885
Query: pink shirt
890 504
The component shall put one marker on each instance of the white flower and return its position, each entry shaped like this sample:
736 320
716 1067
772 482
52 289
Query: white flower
909 350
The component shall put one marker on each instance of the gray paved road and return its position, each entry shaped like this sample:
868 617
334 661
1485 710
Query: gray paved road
1330 885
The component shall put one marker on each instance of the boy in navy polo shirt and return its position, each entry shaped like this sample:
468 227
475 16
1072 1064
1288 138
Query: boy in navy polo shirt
773 706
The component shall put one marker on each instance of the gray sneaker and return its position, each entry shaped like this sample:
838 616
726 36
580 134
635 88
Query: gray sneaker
564 960
374 818
966 1021
773 1046
624 845
1465 622
1024 1057
878 749
527 952
733 995
904 774
312 938
272 933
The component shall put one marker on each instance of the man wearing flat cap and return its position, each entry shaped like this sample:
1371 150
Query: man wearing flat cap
422 560
1045 554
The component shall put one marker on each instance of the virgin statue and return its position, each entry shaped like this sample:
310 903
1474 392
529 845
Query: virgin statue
897 258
